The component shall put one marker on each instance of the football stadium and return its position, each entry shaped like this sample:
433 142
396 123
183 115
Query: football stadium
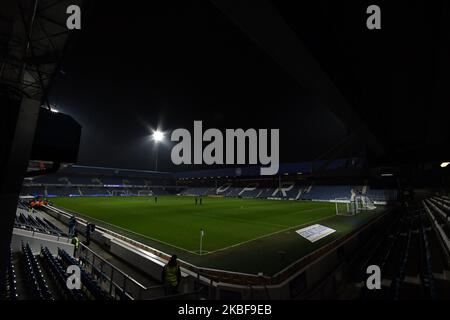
206 151
225 232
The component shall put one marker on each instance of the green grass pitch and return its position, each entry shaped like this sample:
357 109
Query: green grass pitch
177 221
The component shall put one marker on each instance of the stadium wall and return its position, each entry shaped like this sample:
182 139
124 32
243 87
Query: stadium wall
38 240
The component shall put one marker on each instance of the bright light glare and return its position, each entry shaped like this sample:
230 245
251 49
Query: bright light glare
54 110
444 164
158 136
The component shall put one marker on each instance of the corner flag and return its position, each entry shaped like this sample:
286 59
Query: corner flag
202 233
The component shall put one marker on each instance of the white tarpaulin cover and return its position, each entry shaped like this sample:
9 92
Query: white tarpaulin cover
315 232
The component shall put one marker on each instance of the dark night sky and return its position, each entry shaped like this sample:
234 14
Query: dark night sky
168 64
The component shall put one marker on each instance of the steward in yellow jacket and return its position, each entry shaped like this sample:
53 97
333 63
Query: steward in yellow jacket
171 275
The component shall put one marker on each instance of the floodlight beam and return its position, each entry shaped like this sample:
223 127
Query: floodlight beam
158 136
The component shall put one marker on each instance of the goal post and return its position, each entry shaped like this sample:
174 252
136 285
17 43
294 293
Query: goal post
145 193
354 205
118 193
343 207
363 203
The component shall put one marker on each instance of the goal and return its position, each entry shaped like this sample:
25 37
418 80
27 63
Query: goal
145 193
119 193
363 203
343 207
354 205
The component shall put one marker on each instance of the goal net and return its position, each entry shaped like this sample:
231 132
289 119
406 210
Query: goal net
354 205
145 193
119 193
364 203
343 207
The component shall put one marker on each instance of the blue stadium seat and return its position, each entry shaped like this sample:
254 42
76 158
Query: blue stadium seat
56 269
87 280
36 283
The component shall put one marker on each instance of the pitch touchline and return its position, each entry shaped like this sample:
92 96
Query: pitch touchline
139 234
266 235
208 252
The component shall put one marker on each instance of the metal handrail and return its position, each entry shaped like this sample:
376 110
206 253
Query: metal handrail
114 267
126 277
40 230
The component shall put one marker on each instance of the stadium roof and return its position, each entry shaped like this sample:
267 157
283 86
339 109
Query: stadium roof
33 41
287 168
76 169
389 86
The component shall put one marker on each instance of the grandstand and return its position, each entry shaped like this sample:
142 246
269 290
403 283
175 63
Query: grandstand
80 181
41 252
74 181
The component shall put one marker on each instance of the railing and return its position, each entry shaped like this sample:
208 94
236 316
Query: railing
116 282
38 230
121 286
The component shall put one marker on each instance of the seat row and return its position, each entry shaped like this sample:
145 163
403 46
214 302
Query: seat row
58 273
87 280
9 290
36 284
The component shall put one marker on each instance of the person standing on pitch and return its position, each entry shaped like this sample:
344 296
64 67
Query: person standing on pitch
196 200
201 200
171 275
156 199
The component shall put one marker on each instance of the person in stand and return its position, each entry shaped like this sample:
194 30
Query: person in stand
76 243
171 275
88 234
72 225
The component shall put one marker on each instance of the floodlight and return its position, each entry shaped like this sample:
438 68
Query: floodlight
444 164
158 136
